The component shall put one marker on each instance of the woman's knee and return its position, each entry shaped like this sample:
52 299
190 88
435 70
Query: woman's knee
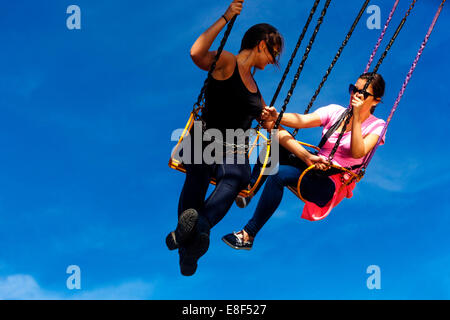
235 175
286 175
319 190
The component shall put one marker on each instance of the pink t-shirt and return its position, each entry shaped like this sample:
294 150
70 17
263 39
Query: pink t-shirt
328 116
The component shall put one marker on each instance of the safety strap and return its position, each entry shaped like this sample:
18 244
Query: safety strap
333 128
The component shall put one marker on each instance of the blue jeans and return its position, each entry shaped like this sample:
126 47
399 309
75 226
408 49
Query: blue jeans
230 180
285 157
315 187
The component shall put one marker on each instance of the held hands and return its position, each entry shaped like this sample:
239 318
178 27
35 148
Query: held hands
234 9
319 162
269 114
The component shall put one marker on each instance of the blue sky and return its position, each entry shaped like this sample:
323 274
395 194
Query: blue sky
87 117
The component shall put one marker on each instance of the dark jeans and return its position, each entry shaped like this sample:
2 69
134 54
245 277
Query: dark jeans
316 187
285 157
230 180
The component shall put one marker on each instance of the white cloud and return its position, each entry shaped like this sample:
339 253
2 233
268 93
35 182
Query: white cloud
25 287
408 175
134 290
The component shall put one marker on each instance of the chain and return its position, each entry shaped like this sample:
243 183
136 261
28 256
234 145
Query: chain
336 57
369 81
201 96
302 63
234 148
291 60
294 53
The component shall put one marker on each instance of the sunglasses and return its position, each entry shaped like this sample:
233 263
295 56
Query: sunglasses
273 52
352 89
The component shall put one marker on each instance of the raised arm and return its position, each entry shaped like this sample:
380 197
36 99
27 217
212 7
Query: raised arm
200 53
359 145
292 120
288 141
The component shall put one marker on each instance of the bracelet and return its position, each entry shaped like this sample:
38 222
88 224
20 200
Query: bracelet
223 16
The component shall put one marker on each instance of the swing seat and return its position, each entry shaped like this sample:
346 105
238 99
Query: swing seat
347 176
178 165
344 182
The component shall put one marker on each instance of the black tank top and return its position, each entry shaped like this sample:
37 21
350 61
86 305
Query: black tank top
230 105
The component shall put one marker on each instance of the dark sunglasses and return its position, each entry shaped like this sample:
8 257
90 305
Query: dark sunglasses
273 52
352 89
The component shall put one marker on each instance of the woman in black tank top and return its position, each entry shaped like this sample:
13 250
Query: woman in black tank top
232 101
230 105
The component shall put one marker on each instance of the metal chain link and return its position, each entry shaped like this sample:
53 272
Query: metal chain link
201 96
405 83
233 148
369 81
336 57
302 63
294 53
291 60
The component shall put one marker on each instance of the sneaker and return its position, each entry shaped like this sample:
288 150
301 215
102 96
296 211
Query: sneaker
194 249
184 230
236 241
242 202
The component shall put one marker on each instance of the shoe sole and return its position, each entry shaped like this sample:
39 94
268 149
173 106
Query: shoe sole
188 265
241 203
233 246
185 226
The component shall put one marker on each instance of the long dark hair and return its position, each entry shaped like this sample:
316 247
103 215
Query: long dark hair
263 32
378 85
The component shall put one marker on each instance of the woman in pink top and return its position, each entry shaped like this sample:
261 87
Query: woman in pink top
318 187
